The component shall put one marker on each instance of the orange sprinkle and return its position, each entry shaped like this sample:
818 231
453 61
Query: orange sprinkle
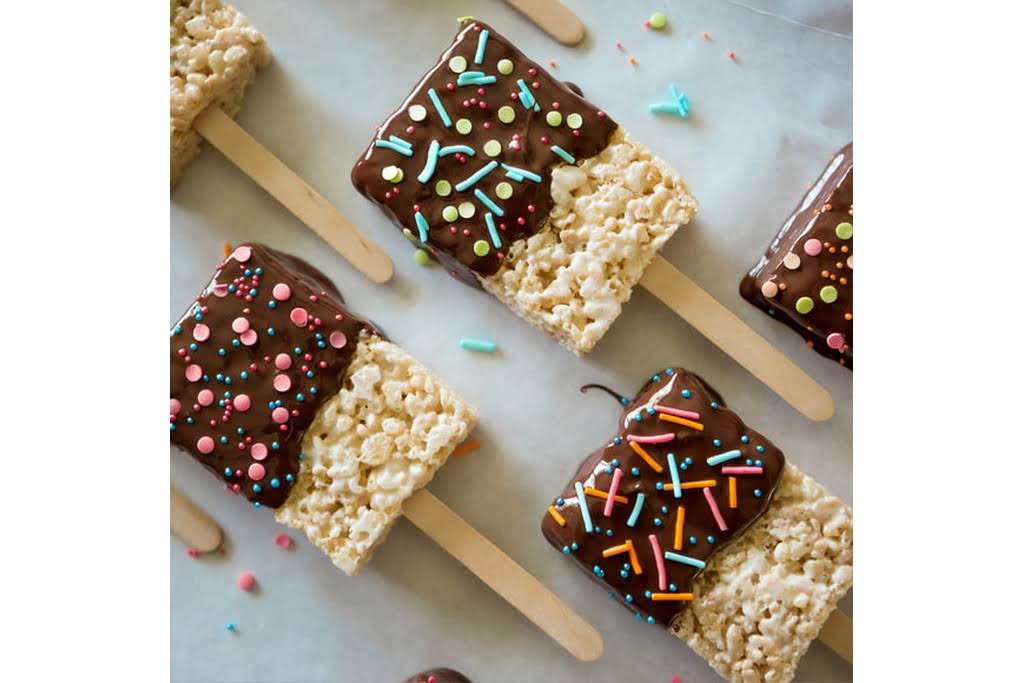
632 60
646 456
681 421
732 492
598 493
848 316
555 514
633 559
831 250
467 447
665 597
552 64
842 281
824 273
707 36
677 542
227 250
686 485
844 249
615 550
783 286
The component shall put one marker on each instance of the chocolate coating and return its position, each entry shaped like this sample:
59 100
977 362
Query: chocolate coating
530 201
438 676
723 431
828 204
235 331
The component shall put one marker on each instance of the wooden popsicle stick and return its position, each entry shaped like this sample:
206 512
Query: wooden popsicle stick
732 335
837 634
504 575
192 525
270 173
554 18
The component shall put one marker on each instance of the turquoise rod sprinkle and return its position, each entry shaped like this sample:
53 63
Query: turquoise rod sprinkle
683 559
515 176
523 173
471 344
445 119
680 105
584 509
386 144
421 224
489 203
431 164
481 46
562 153
472 180
399 141
475 78
495 239
525 94
677 490
455 149
635 514
724 457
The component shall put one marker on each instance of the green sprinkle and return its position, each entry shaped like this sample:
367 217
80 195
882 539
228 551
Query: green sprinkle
506 114
464 126
804 305
844 230
457 64
467 210
492 148
505 66
468 17
481 248
574 120
392 174
450 214
503 190
421 257
554 118
658 21
417 112
829 294
443 188
471 344
408 235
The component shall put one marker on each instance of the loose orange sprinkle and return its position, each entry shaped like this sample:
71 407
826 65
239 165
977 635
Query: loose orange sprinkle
664 597
681 421
556 516
646 456
707 36
227 250
598 493
467 447
732 492
632 60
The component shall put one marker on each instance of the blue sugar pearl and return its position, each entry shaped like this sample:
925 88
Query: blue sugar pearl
224 439
318 335
190 420
559 501
227 471
693 540
227 380
172 426
275 445
745 439
258 504
759 448
193 347
655 378
650 411
657 521
669 372
310 373
749 462
289 478
575 545
297 351
717 442
301 456
244 374
639 417
271 304
597 529
271 405
629 597
660 486
227 394
259 270
322 345
248 272
757 493
635 471
177 329
278 403
254 293
240 431
650 620
689 461
711 539
220 376
684 467
270 331
639 617
608 533
300 398
313 390
565 550
714 405
222 351
229 626
256 488
672 588
687 393
625 566
232 288
275 483
199 314
615 462
647 594
608 469
664 509
617 440
758 463
624 574
624 401
236 343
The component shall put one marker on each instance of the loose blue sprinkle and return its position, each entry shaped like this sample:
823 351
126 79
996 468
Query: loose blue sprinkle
310 374
483 345
297 351
597 529
229 626
300 398
624 401
190 420
689 460
321 345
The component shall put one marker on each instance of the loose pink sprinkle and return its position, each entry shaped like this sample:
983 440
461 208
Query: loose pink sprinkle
175 406
205 397
282 361
282 382
193 373
246 581
282 292
676 679
299 316
279 415
249 337
201 333
205 444
242 254
619 46
193 552
337 339
283 541
258 451
242 402
732 56
257 471
240 324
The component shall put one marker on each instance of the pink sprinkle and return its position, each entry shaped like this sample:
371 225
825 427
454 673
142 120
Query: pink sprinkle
659 559
742 470
279 415
205 397
657 438
338 340
240 324
249 337
175 406
282 382
242 254
201 333
282 361
835 341
242 403
676 679
246 581
299 316
220 291
732 56
619 46
812 247
283 541
193 552
714 508
205 444
613 490
193 373
258 451
257 471
282 292
688 414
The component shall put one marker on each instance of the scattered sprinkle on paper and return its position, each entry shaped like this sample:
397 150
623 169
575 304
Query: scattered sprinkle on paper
283 541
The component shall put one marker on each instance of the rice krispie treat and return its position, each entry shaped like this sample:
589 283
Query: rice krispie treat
215 52
805 277
695 522
518 185
298 405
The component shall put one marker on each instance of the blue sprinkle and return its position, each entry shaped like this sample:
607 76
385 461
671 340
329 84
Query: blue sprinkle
258 504
247 272
559 501
271 304
199 314
650 411
717 443
300 398
193 347
609 532
714 405
624 401
660 486
745 439
259 270
575 545
275 445
229 626
227 471
617 440
270 331
759 448
693 540
244 374
222 351
177 329
565 549
639 417
302 456
441 111
297 351
711 539
669 372
647 594
624 574
597 529
650 620
236 343
748 462
639 617
664 509
275 483
655 378
289 478
482 345
758 463
629 597
689 460
172 426
615 462
687 393
562 153
757 493
657 521
635 471
240 431
672 588
190 420
224 439
256 488
310 374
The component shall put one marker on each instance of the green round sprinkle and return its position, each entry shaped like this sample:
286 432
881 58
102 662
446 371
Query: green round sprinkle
554 118
574 120
467 209
417 112
392 174
421 257
844 230
457 64
506 114
481 248
450 214
464 126
829 294
443 188
658 21
804 304
505 66
492 148
408 235
503 190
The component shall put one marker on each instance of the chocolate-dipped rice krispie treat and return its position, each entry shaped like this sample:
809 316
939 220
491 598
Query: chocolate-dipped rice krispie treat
695 522
805 278
438 676
517 184
298 405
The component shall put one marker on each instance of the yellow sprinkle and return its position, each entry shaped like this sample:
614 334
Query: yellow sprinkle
677 542
557 517
615 550
465 18
681 421
646 456
686 485
633 559
732 492
597 493
664 597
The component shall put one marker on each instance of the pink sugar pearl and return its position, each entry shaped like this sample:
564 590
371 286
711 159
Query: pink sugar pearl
246 581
